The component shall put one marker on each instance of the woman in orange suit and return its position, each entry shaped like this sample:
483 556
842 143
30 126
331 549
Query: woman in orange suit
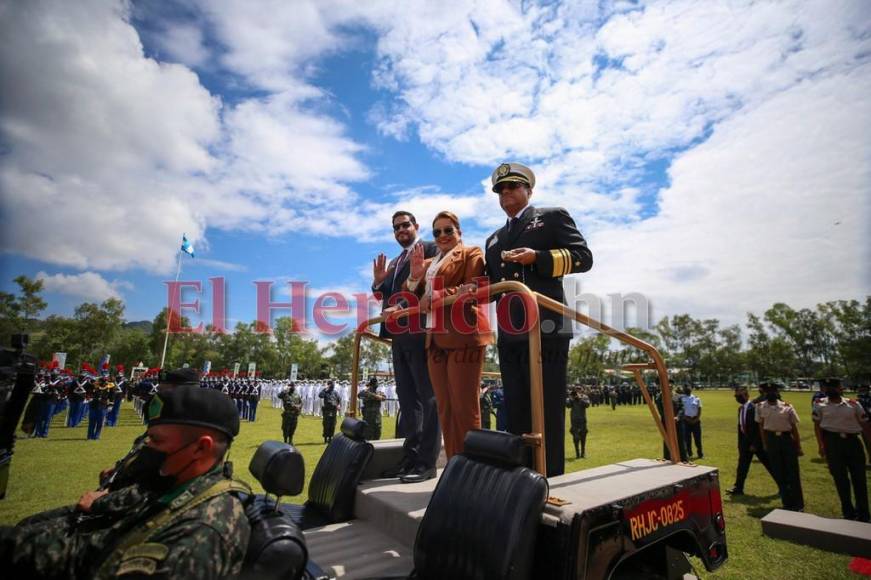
457 335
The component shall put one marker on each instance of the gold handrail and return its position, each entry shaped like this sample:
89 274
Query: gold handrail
536 438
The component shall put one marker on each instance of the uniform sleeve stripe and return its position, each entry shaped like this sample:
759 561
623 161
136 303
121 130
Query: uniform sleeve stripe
558 265
567 262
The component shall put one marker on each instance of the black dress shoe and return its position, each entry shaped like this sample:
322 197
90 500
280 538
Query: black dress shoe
418 474
404 467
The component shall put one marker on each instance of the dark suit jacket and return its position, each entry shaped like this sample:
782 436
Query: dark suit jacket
560 250
752 436
392 285
462 265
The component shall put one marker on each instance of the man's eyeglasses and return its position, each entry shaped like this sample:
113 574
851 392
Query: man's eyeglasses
448 231
401 226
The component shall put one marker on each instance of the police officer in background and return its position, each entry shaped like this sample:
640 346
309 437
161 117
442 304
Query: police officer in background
692 418
371 400
538 247
778 428
292 407
838 426
329 409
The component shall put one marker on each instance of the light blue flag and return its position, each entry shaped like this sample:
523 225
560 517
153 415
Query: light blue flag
186 246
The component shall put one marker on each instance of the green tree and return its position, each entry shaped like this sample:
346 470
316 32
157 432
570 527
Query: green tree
342 357
97 326
30 302
587 358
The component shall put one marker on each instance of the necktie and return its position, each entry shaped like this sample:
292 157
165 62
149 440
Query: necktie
512 225
400 261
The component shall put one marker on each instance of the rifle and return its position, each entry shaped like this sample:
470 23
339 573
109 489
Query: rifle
17 376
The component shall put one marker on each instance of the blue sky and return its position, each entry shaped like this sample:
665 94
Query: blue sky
715 156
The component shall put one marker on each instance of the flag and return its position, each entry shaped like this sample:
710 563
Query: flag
104 363
207 366
186 246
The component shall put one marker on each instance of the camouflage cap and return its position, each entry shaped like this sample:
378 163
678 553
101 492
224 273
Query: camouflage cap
512 172
192 405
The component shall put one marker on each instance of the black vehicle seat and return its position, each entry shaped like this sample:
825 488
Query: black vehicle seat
482 519
333 485
277 547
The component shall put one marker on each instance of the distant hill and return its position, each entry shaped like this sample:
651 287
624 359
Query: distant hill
141 325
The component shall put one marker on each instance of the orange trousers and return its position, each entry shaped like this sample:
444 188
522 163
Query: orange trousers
456 381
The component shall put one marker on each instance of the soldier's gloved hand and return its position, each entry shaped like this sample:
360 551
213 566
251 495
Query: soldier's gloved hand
87 500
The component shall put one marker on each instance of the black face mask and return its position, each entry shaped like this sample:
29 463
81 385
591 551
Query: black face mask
771 397
149 463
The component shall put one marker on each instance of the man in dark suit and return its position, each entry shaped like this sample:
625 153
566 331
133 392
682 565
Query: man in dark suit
419 421
749 441
537 246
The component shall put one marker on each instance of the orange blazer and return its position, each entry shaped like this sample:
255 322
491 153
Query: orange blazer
462 265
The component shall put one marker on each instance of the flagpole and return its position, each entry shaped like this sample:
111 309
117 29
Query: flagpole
169 313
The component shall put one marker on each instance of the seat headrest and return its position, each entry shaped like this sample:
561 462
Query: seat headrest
353 428
279 468
495 447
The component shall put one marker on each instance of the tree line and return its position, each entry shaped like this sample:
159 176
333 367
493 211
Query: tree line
833 339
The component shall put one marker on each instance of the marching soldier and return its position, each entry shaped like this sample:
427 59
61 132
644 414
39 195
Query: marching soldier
578 402
838 426
371 400
486 406
99 403
329 409
778 425
292 403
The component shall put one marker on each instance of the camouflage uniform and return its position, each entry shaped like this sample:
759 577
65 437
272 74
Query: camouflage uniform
207 540
292 403
371 399
486 408
330 408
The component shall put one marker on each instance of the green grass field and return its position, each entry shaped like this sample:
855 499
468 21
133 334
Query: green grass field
47 473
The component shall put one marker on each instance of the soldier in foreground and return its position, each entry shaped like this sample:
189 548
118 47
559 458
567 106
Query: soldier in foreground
186 522
292 403
371 399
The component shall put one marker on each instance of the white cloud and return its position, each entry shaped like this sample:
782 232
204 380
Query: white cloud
90 286
757 106
184 43
773 207
111 155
